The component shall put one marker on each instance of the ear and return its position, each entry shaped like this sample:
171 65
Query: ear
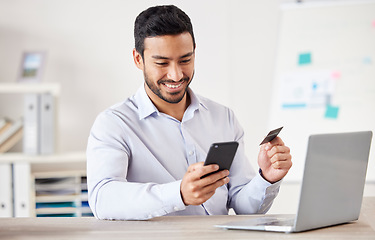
138 60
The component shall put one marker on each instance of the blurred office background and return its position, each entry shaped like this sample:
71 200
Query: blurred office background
89 53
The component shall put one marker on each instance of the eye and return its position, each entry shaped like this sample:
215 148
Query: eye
185 61
161 63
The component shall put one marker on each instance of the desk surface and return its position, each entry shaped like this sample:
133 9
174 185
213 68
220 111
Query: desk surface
184 227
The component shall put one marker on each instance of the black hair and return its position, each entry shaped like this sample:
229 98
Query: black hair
160 21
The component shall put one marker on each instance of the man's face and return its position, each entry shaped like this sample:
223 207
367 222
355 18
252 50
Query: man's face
168 66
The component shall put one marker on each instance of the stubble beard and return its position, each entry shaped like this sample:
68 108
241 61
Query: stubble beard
157 90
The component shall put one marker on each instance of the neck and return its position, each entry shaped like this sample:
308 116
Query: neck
175 110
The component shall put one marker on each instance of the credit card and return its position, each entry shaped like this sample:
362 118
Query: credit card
271 135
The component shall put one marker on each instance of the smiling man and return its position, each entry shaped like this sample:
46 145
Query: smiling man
145 155
170 69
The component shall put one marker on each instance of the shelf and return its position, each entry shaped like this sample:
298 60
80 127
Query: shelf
53 88
49 165
56 211
60 195
43 184
59 198
47 158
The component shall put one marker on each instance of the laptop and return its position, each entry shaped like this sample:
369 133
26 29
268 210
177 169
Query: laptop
332 186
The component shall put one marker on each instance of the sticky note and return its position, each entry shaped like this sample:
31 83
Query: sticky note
294 105
373 23
336 74
315 86
332 112
304 58
367 60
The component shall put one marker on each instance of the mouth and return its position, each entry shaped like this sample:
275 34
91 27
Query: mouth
174 87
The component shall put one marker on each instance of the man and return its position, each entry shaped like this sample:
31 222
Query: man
145 155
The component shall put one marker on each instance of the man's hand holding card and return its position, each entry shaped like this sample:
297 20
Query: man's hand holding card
274 157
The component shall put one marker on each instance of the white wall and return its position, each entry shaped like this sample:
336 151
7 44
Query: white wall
89 45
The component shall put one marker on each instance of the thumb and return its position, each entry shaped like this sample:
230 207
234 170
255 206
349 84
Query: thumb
263 159
264 148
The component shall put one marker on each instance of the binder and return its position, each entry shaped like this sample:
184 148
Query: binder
31 124
6 194
22 189
47 124
39 124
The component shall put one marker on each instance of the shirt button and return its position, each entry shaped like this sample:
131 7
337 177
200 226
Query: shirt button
191 153
176 208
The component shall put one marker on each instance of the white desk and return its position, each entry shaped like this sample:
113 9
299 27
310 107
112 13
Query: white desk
194 227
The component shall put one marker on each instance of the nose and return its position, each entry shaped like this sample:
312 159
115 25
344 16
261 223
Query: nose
175 72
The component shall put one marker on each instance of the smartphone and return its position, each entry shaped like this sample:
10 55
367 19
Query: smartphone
221 153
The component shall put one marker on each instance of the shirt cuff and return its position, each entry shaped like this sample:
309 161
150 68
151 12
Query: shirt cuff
262 183
172 197
278 183
270 193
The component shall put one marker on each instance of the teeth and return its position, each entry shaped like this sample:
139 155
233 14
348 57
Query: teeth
172 86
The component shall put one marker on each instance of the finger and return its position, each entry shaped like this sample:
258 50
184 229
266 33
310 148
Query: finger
280 157
201 194
214 177
212 187
198 170
287 164
281 160
262 147
194 167
265 147
277 141
278 149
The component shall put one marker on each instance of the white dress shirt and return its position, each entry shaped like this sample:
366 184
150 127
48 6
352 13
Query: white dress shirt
137 156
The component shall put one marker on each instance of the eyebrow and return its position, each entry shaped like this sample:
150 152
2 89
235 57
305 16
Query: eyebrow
167 58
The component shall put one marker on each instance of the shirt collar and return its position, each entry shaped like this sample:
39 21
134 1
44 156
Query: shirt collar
147 108
195 101
145 105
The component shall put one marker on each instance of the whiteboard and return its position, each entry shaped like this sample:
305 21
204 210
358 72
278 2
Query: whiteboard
324 75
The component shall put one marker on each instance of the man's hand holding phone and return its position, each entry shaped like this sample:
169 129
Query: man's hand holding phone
196 190
202 179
